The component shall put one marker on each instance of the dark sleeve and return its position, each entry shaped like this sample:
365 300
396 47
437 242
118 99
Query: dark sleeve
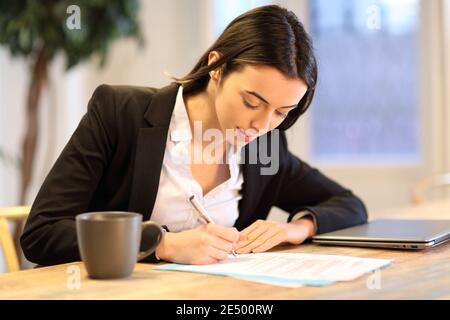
305 188
149 238
49 235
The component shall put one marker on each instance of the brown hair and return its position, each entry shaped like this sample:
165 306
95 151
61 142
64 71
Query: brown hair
268 35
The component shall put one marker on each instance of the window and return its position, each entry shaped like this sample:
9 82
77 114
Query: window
367 101
225 11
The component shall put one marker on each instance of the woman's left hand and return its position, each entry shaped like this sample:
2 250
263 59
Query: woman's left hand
263 235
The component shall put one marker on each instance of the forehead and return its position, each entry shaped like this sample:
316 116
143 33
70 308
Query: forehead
270 83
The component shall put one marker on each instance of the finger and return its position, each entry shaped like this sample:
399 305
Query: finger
229 234
269 243
242 237
252 227
256 233
217 254
258 241
221 244
244 243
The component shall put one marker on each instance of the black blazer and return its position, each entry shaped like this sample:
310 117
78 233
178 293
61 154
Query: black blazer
113 162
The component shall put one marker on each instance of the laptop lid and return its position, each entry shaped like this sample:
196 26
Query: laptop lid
390 230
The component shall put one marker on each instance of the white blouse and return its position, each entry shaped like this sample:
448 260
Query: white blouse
172 207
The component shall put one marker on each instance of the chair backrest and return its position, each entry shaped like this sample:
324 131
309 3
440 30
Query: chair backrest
422 187
15 214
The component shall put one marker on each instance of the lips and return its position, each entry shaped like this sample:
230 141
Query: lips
244 136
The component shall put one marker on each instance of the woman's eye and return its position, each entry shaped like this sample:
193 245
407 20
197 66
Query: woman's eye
248 105
279 114
282 115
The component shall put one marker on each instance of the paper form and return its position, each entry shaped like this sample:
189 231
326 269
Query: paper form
288 269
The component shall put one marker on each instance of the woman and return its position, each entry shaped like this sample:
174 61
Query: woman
137 149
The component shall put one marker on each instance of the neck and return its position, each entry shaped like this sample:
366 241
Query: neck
201 108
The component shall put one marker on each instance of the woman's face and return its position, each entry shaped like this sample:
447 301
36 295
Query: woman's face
255 100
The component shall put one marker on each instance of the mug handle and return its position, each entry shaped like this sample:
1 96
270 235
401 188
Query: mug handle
146 225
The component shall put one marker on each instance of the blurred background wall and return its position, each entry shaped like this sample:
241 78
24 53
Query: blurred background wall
378 123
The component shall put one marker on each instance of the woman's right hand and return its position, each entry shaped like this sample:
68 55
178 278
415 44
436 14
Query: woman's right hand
205 244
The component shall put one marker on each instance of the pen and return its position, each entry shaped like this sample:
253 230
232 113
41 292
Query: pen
201 211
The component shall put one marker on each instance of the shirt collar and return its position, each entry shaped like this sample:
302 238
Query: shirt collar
180 129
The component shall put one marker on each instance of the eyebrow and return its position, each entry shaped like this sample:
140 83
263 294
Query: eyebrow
265 101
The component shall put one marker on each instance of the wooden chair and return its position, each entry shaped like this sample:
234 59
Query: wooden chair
424 186
18 215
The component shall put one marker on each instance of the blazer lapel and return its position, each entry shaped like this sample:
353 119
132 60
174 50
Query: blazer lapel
249 190
254 182
150 148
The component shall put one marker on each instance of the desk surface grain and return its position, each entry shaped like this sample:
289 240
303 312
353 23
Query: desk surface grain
413 275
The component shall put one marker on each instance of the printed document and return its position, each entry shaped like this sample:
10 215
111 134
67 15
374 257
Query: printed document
288 269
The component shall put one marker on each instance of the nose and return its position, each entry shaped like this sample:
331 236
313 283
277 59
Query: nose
262 121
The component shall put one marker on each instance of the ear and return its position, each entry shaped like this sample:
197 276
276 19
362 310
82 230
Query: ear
213 57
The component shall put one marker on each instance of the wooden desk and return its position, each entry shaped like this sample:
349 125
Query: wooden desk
414 275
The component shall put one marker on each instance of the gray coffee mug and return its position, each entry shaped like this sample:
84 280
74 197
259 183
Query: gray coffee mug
109 242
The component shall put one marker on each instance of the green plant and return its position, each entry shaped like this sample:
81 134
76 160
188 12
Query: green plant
40 30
